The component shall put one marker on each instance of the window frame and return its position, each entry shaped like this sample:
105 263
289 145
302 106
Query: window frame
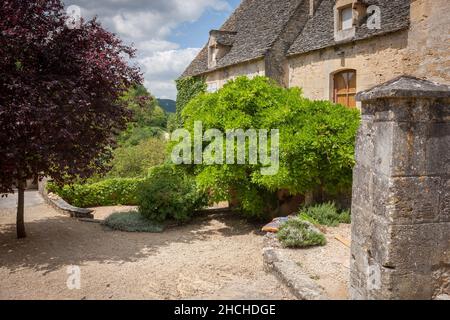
341 17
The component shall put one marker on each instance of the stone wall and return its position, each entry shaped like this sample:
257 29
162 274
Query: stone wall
376 60
422 51
276 59
401 193
429 40
222 76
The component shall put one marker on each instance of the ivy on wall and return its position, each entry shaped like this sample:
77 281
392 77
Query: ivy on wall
188 88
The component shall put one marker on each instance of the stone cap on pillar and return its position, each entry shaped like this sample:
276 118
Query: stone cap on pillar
405 87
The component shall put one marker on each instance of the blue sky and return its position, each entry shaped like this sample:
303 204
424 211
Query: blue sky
167 33
192 34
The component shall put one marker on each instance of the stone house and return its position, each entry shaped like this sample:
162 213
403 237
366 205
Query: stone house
332 49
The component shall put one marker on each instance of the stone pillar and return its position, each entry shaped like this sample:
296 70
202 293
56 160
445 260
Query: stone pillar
401 192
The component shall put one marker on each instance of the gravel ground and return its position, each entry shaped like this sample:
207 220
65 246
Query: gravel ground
328 265
215 257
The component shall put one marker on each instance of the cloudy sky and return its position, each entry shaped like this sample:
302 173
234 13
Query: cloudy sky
167 33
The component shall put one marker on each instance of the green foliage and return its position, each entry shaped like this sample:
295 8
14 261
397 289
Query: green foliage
169 194
325 214
172 123
108 192
345 217
131 222
133 135
145 108
135 161
316 141
303 216
149 119
296 233
187 89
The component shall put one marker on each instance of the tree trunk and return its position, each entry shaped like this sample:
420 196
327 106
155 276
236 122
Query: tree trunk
309 198
20 223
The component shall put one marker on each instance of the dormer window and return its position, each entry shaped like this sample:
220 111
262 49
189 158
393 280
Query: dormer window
220 43
212 56
346 18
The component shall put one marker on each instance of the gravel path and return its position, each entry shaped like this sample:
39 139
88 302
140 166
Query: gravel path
215 257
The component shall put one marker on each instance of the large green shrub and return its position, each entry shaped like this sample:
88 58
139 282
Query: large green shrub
108 192
316 141
169 194
296 233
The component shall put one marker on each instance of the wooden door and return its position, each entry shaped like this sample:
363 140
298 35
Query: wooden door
345 88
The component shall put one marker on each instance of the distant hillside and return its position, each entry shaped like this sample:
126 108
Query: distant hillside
168 105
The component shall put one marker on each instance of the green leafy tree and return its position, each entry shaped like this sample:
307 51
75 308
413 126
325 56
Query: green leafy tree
135 161
59 95
316 142
149 119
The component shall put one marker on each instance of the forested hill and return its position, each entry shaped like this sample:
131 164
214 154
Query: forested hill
168 105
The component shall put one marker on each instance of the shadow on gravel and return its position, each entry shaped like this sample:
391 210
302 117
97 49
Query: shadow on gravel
56 241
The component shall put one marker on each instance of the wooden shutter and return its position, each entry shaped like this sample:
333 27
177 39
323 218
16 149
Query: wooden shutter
345 88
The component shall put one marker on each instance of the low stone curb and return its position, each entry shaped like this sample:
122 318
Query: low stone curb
65 208
288 272
90 220
60 205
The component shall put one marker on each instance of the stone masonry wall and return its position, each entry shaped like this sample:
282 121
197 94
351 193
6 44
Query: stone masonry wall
276 59
429 40
422 51
222 76
376 60
401 193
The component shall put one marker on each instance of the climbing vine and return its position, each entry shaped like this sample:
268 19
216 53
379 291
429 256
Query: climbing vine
188 88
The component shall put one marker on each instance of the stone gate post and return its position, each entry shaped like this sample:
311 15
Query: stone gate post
401 192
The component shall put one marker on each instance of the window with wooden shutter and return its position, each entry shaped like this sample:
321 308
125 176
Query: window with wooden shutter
345 88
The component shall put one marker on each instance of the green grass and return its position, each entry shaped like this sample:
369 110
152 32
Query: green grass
325 214
132 222
297 233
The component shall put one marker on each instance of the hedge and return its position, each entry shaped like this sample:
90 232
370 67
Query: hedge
110 192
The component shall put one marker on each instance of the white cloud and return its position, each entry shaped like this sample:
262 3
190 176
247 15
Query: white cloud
148 24
163 67
152 46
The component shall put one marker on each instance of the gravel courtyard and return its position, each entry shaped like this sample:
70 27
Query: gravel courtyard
215 257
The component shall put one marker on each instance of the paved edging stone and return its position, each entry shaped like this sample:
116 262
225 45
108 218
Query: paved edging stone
288 272
62 206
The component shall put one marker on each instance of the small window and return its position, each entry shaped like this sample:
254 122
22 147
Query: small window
345 88
346 18
212 87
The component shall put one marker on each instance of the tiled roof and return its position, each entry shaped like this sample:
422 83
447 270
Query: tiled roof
319 30
257 24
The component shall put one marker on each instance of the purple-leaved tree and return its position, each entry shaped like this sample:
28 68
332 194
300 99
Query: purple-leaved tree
60 110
